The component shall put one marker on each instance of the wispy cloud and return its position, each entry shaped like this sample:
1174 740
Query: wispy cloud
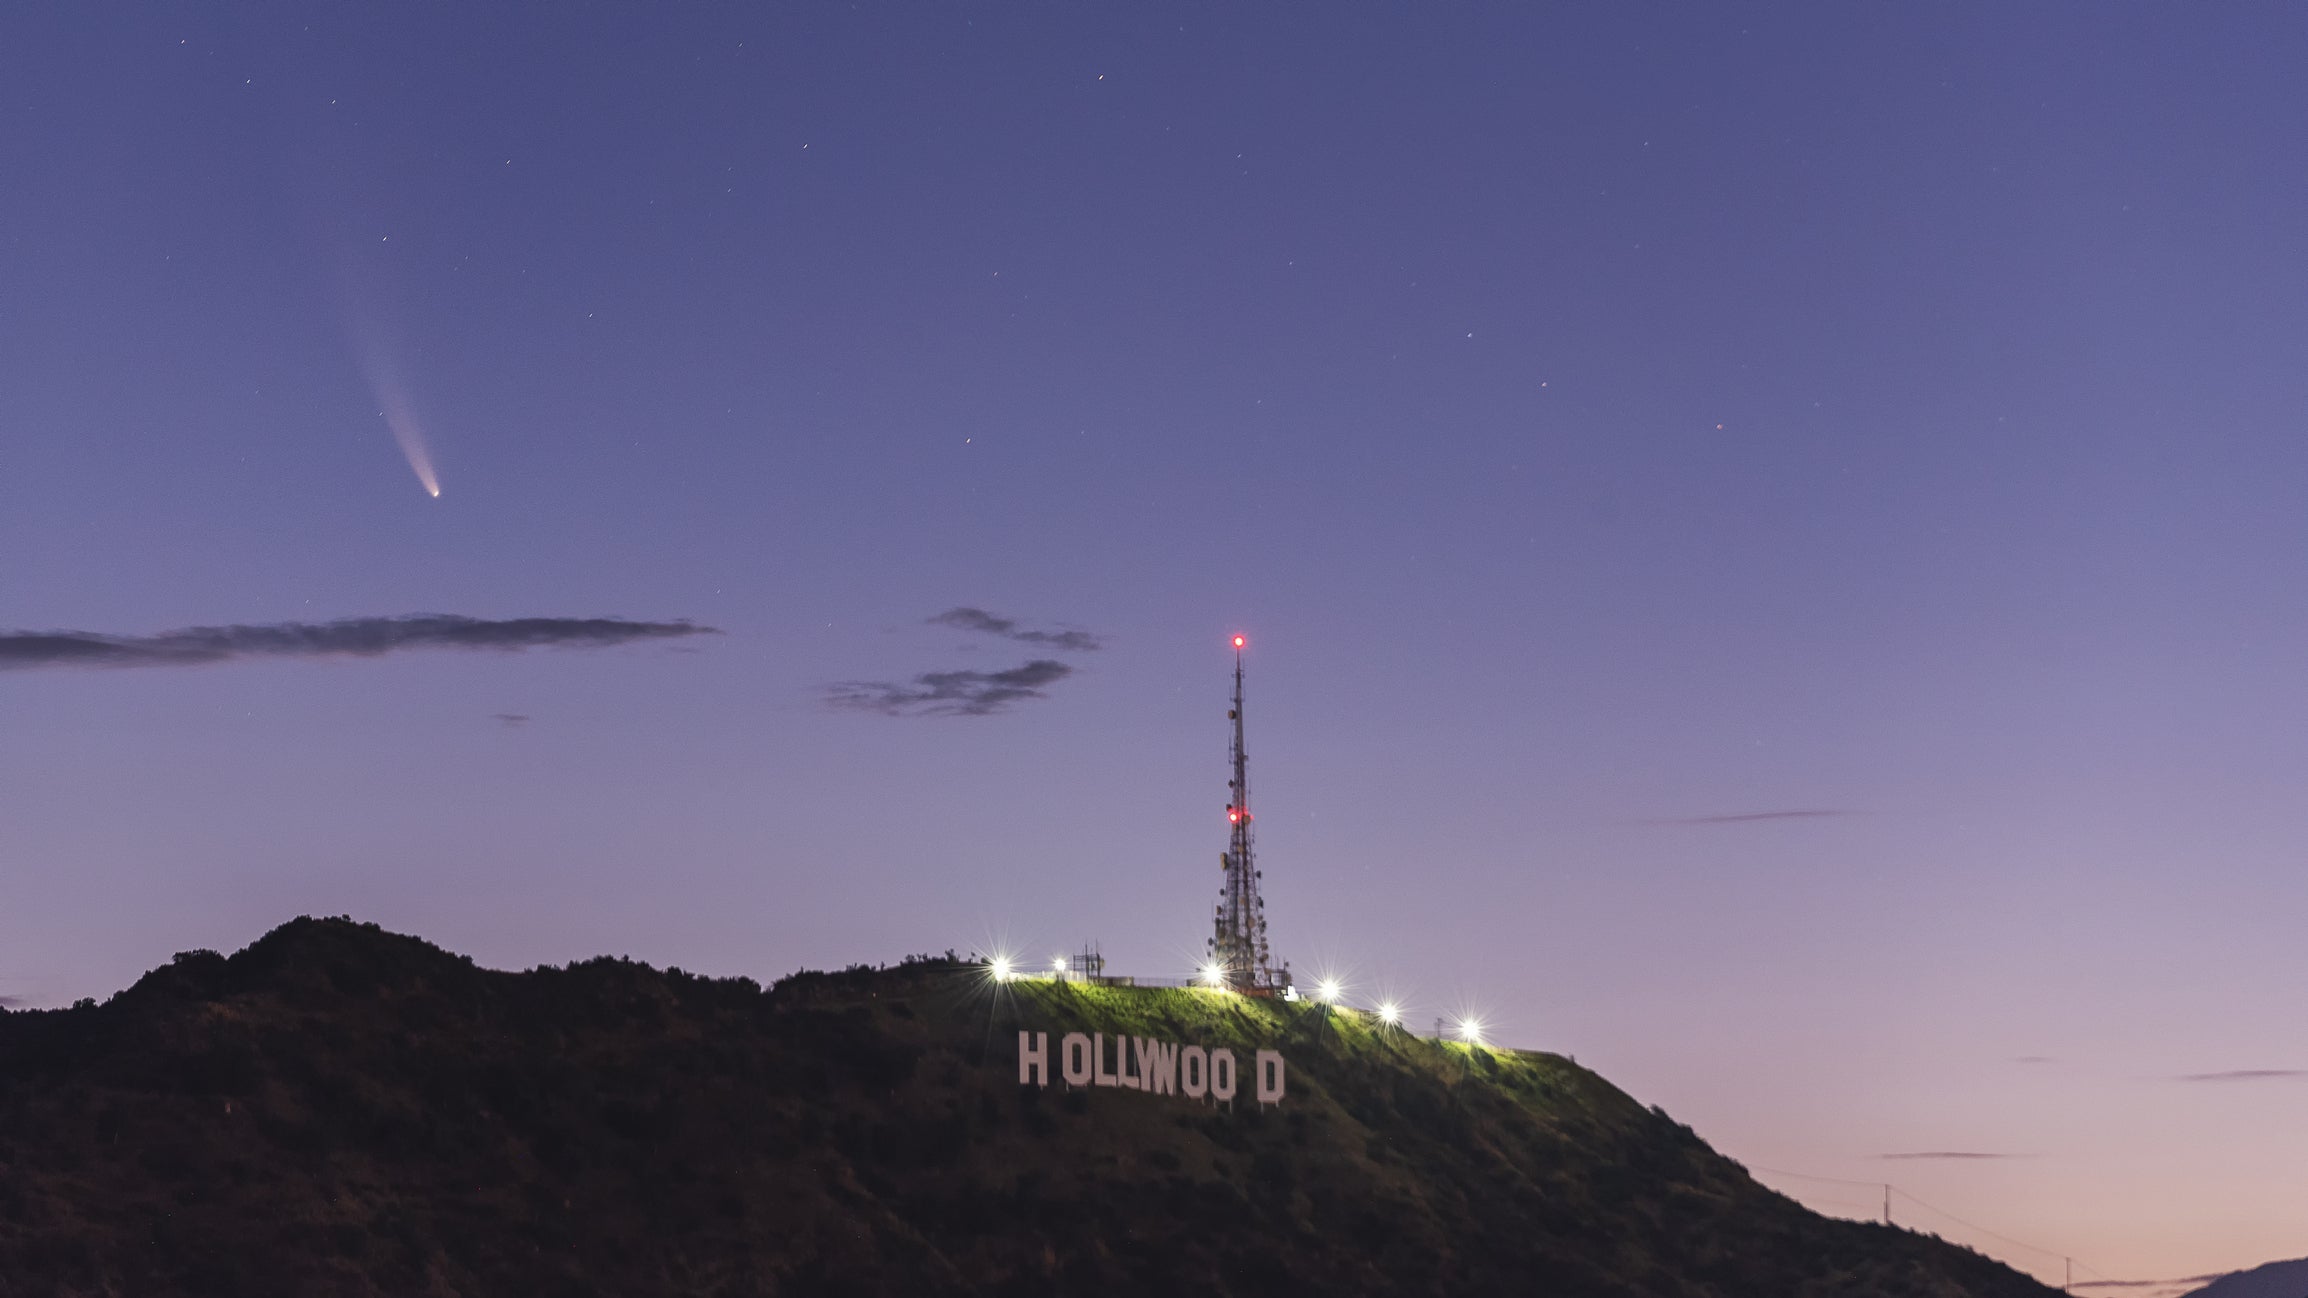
957 694
355 637
11 1002
2248 1075
967 693
1750 817
978 619
514 720
1944 1155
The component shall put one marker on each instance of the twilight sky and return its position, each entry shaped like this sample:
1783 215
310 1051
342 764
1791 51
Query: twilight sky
1615 431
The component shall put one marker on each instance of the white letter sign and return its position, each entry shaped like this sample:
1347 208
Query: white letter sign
1150 1065
1270 1079
1157 1066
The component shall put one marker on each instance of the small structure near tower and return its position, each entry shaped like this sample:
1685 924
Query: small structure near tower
1239 960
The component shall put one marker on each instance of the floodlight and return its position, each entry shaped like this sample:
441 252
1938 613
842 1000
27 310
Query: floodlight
1327 991
1059 964
1469 1030
1389 1013
1214 974
1000 967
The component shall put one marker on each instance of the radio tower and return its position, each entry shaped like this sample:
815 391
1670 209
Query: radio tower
1238 953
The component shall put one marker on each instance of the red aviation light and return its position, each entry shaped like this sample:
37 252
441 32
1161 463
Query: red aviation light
1234 815
1238 642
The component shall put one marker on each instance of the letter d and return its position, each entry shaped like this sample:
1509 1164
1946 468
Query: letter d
1270 1076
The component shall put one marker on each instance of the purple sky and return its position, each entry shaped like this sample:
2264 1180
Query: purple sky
1609 428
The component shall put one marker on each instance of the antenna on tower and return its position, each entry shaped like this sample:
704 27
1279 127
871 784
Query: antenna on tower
1238 945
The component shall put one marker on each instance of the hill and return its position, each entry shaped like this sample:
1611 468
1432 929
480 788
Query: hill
340 1110
2273 1280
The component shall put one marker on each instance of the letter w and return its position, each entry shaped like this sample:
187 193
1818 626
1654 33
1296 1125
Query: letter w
1158 1066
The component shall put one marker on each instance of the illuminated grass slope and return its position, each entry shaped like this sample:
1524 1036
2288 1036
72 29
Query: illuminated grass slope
339 1110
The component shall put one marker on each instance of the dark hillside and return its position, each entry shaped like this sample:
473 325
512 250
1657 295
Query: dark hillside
2269 1280
339 1110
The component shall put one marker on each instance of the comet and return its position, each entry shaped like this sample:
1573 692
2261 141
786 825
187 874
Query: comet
375 357
403 422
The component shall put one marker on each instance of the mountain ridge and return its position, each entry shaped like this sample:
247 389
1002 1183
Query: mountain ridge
2285 1279
338 1109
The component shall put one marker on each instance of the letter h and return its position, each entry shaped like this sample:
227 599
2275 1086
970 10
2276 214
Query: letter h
1034 1059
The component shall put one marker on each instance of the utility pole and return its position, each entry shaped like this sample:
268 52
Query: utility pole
1238 940
2068 1284
1887 1205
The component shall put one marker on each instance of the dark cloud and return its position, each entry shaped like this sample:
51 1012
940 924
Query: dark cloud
1945 1155
2248 1075
353 637
11 1002
1748 817
954 694
514 719
967 693
978 619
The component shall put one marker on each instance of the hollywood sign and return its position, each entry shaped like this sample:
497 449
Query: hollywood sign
1144 1064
